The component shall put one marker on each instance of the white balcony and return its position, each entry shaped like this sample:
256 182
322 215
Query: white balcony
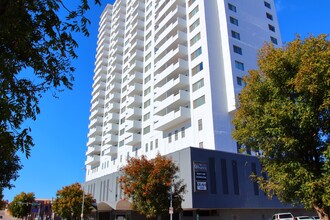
181 82
98 95
181 66
115 87
171 30
112 117
96 149
111 128
135 101
172 102
114 97
110 139
135 89
95 131
133 139
170 56
94 141
92 160
98 112
133 126
115 77
113 107
97 87
133 113
112 150
99 103
172 119
95 122
171 17
136 77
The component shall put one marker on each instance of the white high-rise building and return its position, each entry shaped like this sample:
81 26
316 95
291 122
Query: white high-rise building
167 76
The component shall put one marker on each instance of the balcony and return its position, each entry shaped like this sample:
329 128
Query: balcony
112 117
179 67
111 128
113 107
93 150
135 101
98 87
178 25
95 131
136 77
99 103
135 89
110 139
133 126
115 77
133 113
181 82
95 121
98 112
112 150
115 87
94 141
171 56
172 102
172 119
133 139
114 97
92 160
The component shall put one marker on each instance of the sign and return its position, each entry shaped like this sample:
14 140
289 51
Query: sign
200 176
170 211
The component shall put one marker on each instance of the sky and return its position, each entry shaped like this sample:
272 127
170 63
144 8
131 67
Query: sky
60 131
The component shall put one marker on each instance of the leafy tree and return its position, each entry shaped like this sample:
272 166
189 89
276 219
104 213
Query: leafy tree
284 112
148 184
21 205
69 200
36 50
3 203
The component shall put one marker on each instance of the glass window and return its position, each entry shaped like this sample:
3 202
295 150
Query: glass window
196 53
151 145
197 85
232 7
239 80
235 35
193 12
146 116
156 143
237 49
176 134
195 39
271 27
146 130
148 67
234 21
191 2
269 16
198 102
201 145
146 147
148 56
197 69
200 124
267 5
239 65
147 79
183 132
147 91
194 25
169 137
273 40
148 35
146 103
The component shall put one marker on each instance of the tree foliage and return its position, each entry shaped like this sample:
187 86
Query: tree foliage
69 200
148 183
21 205
36 50
284 112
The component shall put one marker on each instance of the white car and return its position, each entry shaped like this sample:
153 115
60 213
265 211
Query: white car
283 216
315 217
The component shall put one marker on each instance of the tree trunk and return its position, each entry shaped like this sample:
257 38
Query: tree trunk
322 213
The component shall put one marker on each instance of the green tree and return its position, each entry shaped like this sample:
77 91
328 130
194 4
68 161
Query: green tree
69 200
36 51
3 203
148 183
20 207
284 112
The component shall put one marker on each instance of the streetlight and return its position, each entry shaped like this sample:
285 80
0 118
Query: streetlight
171 201
82 206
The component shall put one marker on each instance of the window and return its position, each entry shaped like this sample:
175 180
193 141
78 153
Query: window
122 131
195 39
197 69
234 21
271 27
147 91
146 116
237 49
191 2
121 143
148 16
146 147
269 16
232 7
201 144
146 130
146 103
194 25
198 102
148 45
148 56
147 79
239 65
183 132
169 137
148 25
148 35
151 145
273 40
193 12
176 135
200 124
148 67
239 81
197 85
267 5
156 143
235 35
122 120
196 53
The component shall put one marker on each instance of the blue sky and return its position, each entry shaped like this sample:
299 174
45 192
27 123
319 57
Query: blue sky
60 131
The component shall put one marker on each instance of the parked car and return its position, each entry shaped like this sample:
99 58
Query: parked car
283 216
304 218
315 217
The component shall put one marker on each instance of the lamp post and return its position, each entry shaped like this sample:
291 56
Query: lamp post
171 202
82 205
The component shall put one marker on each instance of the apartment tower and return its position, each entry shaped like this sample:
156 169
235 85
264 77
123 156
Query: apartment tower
167 76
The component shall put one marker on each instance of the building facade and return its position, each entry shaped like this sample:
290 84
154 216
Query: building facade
167 76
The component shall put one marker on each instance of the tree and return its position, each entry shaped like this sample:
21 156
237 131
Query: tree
148 183
3 203
69 200
20 207
284 113
36 50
